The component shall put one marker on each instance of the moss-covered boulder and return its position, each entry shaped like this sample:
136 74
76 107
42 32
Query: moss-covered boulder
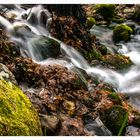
115 118
17 115
44 47
107 11
118 61
90 22
122 32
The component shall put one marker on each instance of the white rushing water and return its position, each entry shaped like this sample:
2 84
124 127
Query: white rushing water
127 82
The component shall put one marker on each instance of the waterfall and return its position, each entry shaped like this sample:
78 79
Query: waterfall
127 82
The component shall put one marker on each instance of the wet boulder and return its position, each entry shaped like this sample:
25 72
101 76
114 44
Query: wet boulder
44 47
17 115
122 32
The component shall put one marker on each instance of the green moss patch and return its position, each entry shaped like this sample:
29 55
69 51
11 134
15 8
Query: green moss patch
90 22
17 116
122 32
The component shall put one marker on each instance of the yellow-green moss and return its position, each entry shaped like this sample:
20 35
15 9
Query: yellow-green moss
17 115
90 22
122 32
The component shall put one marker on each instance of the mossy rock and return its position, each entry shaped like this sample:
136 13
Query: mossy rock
48 47
114 118
117 60
122 32
17 115
107 11
90 22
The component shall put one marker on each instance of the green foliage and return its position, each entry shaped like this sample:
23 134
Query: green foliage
114 96
92 54
103 49
122 32
17 115
90 22
106 10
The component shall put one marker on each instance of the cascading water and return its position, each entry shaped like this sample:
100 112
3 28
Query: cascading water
126 82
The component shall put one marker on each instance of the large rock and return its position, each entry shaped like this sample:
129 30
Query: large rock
17 116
